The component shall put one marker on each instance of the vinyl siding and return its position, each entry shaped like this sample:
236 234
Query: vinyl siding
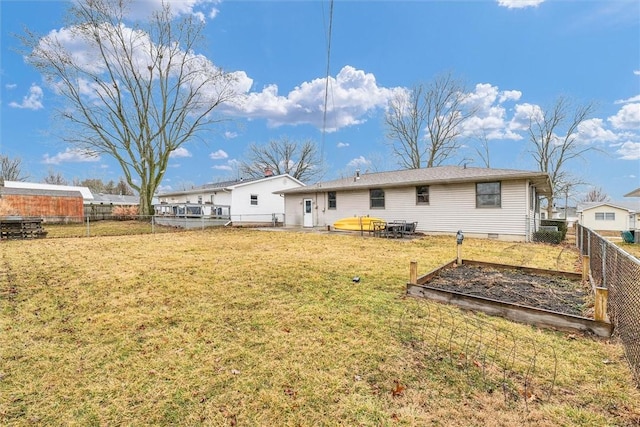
451 208
621 222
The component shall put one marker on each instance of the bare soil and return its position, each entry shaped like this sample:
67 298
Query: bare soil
512 286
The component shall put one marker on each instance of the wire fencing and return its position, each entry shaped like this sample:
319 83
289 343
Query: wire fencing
612 268
488 357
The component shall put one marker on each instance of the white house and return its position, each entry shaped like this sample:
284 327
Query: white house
482 202
245 201
609 216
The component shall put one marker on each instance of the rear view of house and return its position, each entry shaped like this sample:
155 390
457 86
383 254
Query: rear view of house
483 202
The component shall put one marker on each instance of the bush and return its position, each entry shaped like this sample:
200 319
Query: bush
125 212
560 223
546 236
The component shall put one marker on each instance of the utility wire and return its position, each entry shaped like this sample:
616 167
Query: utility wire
326 84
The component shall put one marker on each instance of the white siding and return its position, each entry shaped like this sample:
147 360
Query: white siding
451 208
621 222
268 203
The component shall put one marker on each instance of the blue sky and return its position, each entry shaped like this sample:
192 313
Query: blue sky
515 56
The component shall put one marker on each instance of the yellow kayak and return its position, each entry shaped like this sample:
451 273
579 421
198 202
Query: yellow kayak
356 223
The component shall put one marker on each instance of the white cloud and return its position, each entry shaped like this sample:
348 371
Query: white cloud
628 117
628 100
629 151
231 165
592 130
359 161
519 4
142 9
490 117
217 155
342 144
352 95
71 155
180 152
636 72
33 101
523 115
11 86
230 135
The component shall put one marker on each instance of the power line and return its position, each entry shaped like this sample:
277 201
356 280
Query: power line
326 84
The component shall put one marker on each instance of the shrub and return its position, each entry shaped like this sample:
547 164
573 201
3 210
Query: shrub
555 237
560 223
124 212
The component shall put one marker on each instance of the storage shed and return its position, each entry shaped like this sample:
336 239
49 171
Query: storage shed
50 205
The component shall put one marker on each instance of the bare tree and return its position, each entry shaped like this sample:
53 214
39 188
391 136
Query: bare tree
11 169
424 123
135 94
596 195
55 178
553 137
483 149
300 159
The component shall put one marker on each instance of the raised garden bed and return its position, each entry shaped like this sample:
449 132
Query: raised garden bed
545 298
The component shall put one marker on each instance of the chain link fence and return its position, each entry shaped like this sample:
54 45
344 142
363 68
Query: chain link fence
24 227
619 272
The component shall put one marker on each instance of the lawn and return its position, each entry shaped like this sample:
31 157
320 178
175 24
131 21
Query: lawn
259 328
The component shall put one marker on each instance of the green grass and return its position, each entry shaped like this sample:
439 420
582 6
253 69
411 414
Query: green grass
248 327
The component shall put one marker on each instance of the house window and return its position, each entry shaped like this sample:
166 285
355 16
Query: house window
605 216
199 200
331 197
422 195
376 198
254 199
488 195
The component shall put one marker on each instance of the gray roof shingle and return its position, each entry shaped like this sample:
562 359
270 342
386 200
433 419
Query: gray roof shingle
426 176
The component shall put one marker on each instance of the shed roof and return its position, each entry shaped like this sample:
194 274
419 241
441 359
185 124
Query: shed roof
426 176
38 192
86 193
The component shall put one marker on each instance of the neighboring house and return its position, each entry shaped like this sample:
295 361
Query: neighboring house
609 216
249 201
50 205
482 202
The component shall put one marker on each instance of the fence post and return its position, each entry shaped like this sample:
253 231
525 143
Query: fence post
585 268
604 264
413 273
88 233
602 295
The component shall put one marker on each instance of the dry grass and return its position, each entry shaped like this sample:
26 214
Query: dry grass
248 327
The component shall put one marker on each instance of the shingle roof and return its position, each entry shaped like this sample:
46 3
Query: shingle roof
426 176
115 199
216 186
630 205
634 193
